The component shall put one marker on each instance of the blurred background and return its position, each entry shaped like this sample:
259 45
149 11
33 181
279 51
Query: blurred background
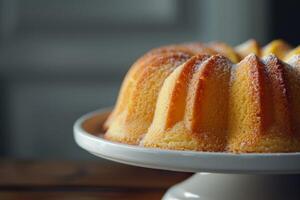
60 59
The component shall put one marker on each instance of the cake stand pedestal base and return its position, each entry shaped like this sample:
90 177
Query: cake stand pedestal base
211 186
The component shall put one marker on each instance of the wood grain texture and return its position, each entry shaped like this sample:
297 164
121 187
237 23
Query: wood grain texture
81 195
86 180
69 173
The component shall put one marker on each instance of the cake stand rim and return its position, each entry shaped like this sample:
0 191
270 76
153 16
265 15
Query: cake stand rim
190 161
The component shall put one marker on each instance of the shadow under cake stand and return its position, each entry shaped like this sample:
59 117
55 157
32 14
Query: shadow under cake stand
218 176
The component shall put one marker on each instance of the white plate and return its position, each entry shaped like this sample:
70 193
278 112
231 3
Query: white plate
88 135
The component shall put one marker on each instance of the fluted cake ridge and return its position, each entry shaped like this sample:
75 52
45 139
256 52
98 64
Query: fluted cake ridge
211 97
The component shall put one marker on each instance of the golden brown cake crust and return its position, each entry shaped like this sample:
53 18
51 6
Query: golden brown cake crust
133 115
211 97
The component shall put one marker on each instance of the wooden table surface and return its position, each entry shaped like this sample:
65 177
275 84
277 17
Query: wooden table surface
85 180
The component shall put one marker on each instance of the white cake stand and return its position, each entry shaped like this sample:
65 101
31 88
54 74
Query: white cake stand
219 176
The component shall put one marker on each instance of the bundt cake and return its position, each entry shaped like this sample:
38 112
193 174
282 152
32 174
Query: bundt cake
211 97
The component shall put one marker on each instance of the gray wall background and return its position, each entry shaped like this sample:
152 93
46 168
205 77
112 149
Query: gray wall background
60 59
